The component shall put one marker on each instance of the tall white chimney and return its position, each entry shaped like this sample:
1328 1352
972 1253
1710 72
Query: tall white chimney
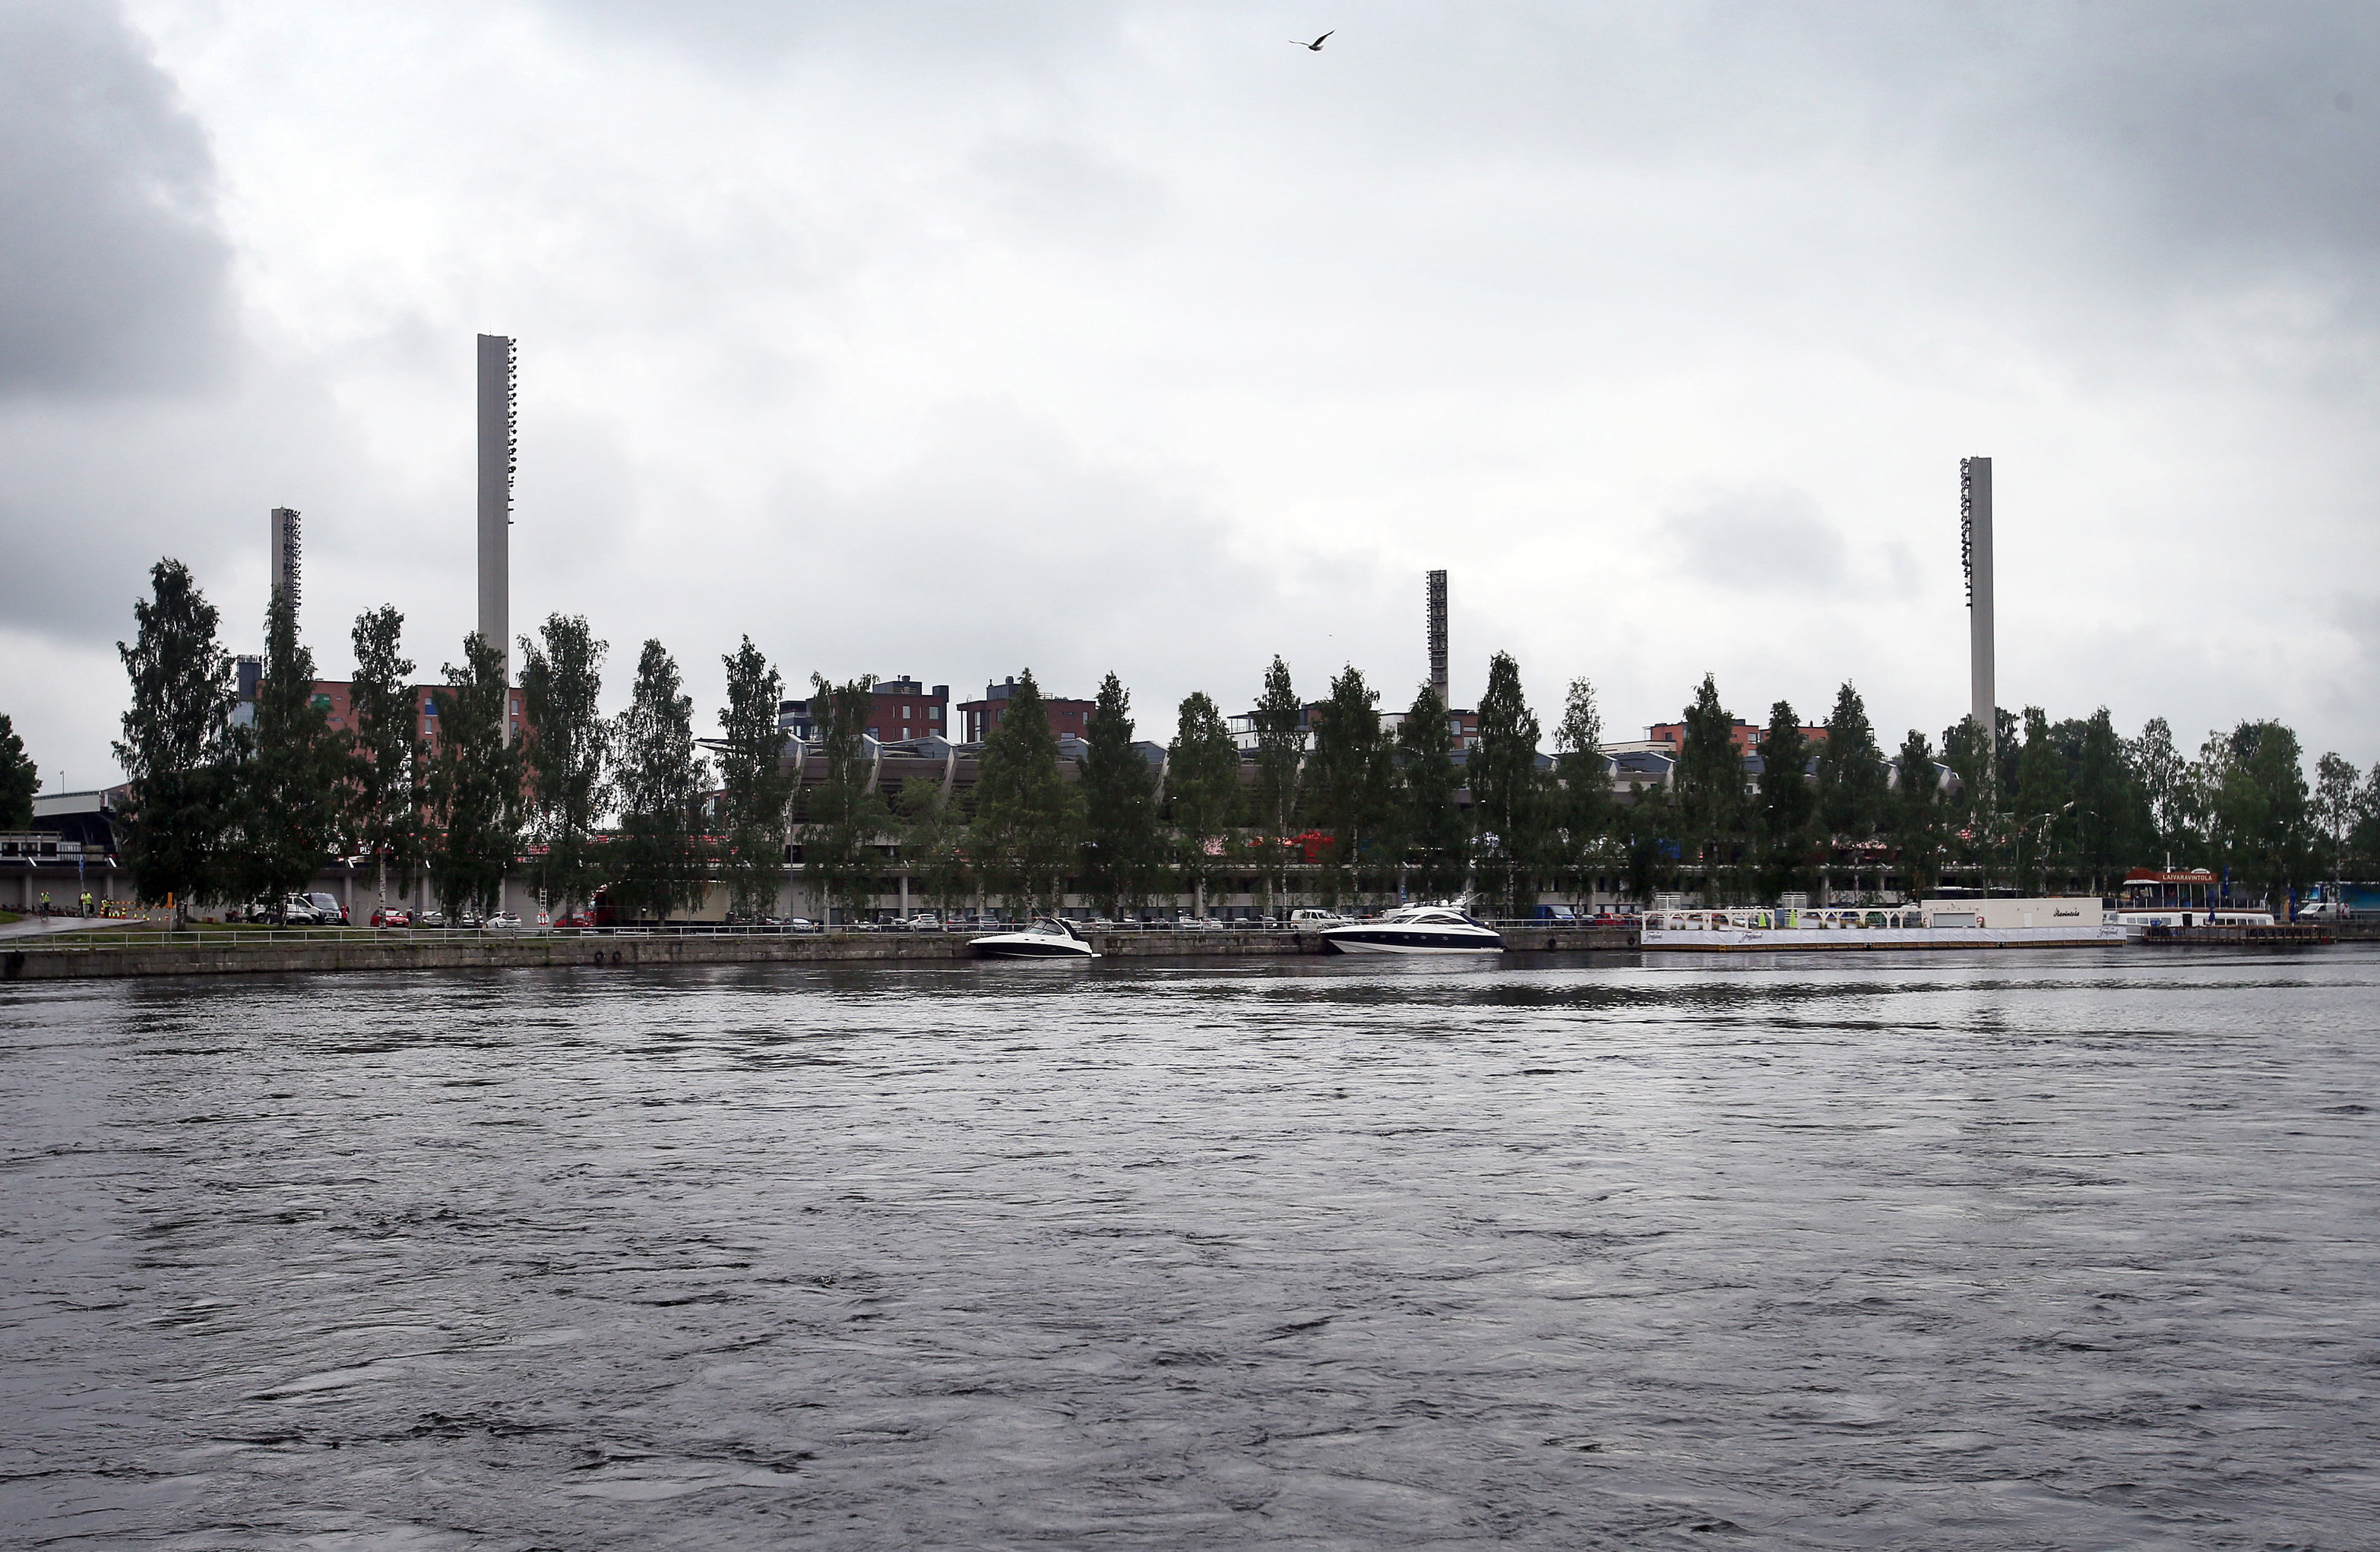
497 428
1975 544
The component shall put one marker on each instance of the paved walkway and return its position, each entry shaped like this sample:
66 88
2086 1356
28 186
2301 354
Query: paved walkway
34 927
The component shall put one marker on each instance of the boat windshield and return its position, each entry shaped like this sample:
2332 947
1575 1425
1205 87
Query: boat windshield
1433 916
1049 929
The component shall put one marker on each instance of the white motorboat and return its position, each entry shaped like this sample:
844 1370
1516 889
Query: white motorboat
1415 929
1046 938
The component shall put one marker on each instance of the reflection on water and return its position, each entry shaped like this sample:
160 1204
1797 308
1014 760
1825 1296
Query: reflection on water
2059 1249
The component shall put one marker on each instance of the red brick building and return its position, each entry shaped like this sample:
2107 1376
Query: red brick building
336 698
1068 718
901 709
1745 736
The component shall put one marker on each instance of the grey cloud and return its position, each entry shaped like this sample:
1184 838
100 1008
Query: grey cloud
113 273
744 34
1758 541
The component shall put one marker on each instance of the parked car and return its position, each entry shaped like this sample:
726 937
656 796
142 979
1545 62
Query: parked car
390 916
296 910
327 909
429 917
1318 919
503 919
798 924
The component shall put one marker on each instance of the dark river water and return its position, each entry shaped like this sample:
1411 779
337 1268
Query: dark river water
2049 1250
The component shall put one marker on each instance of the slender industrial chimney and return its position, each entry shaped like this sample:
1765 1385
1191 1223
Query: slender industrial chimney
287 555
496 463
1438 634
1975 549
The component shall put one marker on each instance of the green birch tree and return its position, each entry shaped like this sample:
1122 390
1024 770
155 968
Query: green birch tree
839 842
1787 805
757 784
1025 818
1120 853
1280 754
566 742
1436 829
1202 788
174 746
385 790
1708 789
1351 779
474 784
1586 810
1917 817
1508 802
289 786
19 780
656 859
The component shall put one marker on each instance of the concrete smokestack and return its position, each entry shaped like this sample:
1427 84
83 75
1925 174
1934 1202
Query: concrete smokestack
497 425
1976 545
1437 628
288 554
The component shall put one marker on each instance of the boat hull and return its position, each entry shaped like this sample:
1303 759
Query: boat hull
1411 941
1020 947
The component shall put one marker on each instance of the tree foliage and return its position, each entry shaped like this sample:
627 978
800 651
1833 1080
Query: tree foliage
386 785
289 774
2264 808
1507 796
175 733
1121 857
934 843
1351 780
657 863
1280 754
755 784
1583 818
1852 780
1202 790
19 780
1708 787
1787 806
1437 832
2335 807
475 783
566 742
846 814
1024 817
1917 815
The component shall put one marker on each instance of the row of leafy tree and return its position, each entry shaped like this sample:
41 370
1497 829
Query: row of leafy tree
222 809
1354 807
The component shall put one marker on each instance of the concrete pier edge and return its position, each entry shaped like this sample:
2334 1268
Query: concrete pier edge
52 961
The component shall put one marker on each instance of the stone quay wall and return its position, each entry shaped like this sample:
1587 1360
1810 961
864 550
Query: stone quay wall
94 956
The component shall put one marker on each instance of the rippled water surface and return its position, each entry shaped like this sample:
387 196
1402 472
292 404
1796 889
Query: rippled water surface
2066 1250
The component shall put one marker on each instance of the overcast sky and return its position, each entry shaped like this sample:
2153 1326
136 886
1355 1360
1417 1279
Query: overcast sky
949 339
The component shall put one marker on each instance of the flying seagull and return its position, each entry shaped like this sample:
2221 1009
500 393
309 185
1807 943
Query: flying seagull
1316 46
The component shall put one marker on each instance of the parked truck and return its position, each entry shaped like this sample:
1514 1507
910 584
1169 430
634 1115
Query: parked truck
2340 903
